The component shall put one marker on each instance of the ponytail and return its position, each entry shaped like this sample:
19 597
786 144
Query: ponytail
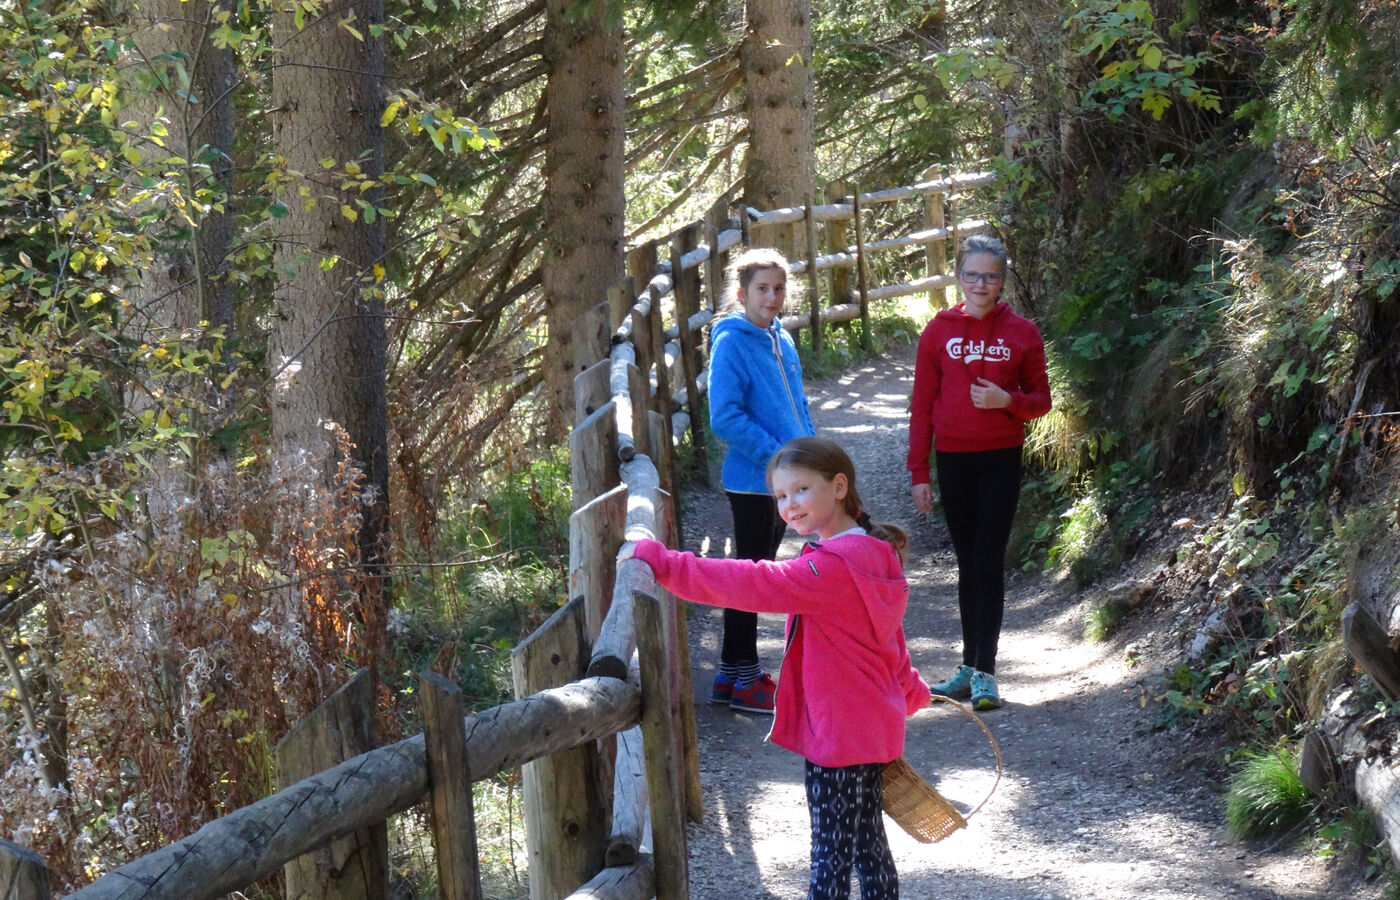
888 532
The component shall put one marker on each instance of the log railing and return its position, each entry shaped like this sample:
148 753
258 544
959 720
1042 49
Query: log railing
604 730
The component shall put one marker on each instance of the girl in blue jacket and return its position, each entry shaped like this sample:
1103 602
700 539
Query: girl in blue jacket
756 406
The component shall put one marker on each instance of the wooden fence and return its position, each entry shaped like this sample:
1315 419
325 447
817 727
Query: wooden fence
604 730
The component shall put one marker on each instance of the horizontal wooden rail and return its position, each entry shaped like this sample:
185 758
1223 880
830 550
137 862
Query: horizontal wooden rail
253 842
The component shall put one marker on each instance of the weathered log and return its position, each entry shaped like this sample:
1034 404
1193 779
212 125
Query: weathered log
449 788
1378 790
663 451
630 818
662 743
596 532
809 231
636 881
1370 647
618 637
845 256
688 308
789 214
356 866
253 842
628 383
23 874
565 810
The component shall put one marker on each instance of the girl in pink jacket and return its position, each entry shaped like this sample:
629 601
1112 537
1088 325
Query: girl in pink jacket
847 681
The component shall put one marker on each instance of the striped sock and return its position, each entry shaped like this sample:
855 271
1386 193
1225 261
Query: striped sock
747 673
729 671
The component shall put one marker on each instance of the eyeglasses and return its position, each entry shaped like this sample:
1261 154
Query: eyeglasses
984 277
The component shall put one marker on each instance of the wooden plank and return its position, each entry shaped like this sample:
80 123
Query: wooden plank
815 304
595 534
23 873
789 214
662 743
668 524
862 288
251 843
566 814
636 881
354 867
663 452
715 264
661 395
449 788
593 448
1370 647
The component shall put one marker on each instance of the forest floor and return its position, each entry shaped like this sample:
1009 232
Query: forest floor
1096 801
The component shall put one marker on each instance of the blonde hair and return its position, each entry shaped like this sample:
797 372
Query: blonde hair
826 458
744 266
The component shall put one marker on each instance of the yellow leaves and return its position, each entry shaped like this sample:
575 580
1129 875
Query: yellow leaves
390 112
348 212
378 273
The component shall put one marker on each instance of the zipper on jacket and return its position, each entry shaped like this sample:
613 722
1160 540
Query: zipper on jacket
782 370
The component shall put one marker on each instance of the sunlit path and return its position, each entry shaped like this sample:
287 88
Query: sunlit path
1094 804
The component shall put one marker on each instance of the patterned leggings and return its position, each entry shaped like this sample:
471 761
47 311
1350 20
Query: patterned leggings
847 831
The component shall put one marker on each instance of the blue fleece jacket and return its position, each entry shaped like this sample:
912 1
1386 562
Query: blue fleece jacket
756 399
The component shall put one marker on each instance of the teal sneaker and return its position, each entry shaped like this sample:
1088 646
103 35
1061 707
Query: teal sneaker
959 687
984 691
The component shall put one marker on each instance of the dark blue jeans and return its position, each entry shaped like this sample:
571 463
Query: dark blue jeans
979 491
848 832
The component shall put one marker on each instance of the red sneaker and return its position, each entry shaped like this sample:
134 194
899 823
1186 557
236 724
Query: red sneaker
757 697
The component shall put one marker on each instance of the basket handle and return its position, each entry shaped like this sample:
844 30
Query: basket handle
996 749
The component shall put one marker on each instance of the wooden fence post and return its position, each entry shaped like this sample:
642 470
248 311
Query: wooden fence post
593 455
595 532
355 867
450 788
566 811
716 261
687 288
592 336
809 222
23 874
1369 646
662 742
937 248
836 243
860 269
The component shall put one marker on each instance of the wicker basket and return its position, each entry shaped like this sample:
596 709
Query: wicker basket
916 806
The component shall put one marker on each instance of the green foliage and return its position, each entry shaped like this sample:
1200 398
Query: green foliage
1265 797
842 345
1142 67
1103 621
1335 73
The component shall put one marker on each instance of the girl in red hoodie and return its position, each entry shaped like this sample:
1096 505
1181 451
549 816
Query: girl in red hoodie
847 682
979 377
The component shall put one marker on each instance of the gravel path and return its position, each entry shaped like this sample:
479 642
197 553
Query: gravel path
1093 805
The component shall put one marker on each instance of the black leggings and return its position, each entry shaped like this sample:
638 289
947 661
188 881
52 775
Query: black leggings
979 491
758 532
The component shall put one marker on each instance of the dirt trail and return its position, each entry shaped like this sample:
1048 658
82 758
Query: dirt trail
1093 805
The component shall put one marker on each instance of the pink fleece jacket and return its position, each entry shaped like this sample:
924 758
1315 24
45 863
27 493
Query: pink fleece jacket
847 683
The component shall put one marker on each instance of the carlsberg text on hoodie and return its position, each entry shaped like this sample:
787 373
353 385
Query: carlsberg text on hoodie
756 399
954 351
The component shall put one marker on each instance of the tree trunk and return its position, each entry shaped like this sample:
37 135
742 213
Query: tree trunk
328 345
584 180
775 56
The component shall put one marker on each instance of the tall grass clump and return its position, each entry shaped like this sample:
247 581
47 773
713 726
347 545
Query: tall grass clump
1266 796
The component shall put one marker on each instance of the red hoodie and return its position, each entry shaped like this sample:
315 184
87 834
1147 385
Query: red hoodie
954 351
847 682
